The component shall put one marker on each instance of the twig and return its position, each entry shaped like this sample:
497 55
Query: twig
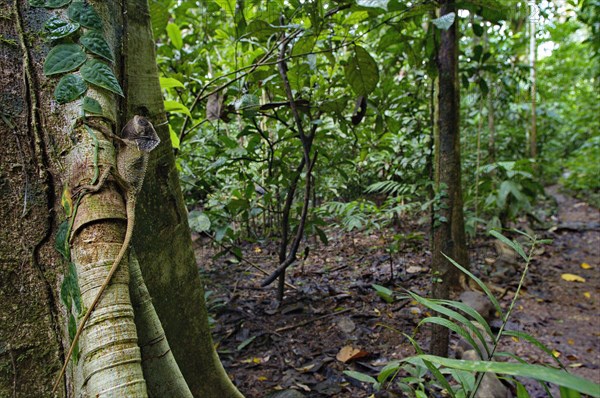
246 260
306 322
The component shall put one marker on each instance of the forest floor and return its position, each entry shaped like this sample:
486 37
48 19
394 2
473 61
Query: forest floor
334 320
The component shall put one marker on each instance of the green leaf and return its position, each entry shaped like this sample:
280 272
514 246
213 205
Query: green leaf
58 28
94 42
159 16
60 244
72 326
445 21
388 370
49 3
85 14
568 393
90 105
384 292
479 282
64 58
69 88
360 376
537 372
176 107
169 82
512 244
100 74
175 143
361 72
373 3
174 34
198 221
228 6
521 390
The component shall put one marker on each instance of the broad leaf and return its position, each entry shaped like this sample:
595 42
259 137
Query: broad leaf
360 376
69 88
60 244
159 16
90 105
361 72
85 15
58 28
175 142
94 42
175 35
100 74
373 3
228 6
176 107
198 221
64 58
169 82
445 21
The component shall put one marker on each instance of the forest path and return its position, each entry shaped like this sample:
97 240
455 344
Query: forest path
296 347
565 315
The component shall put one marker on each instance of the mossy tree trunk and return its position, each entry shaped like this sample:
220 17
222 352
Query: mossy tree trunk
38 140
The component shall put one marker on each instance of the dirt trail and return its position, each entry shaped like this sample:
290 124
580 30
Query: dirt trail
265 348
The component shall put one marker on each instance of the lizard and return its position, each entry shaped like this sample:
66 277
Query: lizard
138 138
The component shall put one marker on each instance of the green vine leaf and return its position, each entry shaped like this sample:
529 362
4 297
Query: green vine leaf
84 14
58 28
69 88
64 58
49 3
60 244
99 74
361 72
94 42
90 105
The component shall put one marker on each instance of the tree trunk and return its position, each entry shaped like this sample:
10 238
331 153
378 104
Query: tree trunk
448 220
41 151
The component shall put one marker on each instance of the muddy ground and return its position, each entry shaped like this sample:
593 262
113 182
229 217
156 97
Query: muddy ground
333 307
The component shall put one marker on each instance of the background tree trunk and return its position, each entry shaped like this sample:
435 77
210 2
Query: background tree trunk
448 220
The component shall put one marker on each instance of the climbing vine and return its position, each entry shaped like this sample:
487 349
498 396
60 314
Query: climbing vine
80 56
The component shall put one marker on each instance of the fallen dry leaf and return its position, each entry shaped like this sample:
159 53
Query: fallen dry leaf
572 278
587 295
348 353
585 266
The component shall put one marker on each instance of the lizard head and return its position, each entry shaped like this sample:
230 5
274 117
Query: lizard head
140 130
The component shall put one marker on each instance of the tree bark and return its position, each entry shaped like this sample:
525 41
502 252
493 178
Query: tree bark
448 220
34 164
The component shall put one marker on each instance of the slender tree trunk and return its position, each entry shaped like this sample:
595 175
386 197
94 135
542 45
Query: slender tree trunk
532 60
448 220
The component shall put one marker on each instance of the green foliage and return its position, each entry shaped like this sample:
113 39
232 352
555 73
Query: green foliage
69 88
100 74
583 170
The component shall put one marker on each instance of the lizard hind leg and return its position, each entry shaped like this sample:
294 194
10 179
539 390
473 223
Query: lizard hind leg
85 189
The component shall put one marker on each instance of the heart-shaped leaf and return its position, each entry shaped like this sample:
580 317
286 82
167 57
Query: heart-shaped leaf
99 74
69 88
85 15
90 105
58 28
361 72
94 42
64 58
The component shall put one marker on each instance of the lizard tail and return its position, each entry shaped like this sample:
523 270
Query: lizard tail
111 272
